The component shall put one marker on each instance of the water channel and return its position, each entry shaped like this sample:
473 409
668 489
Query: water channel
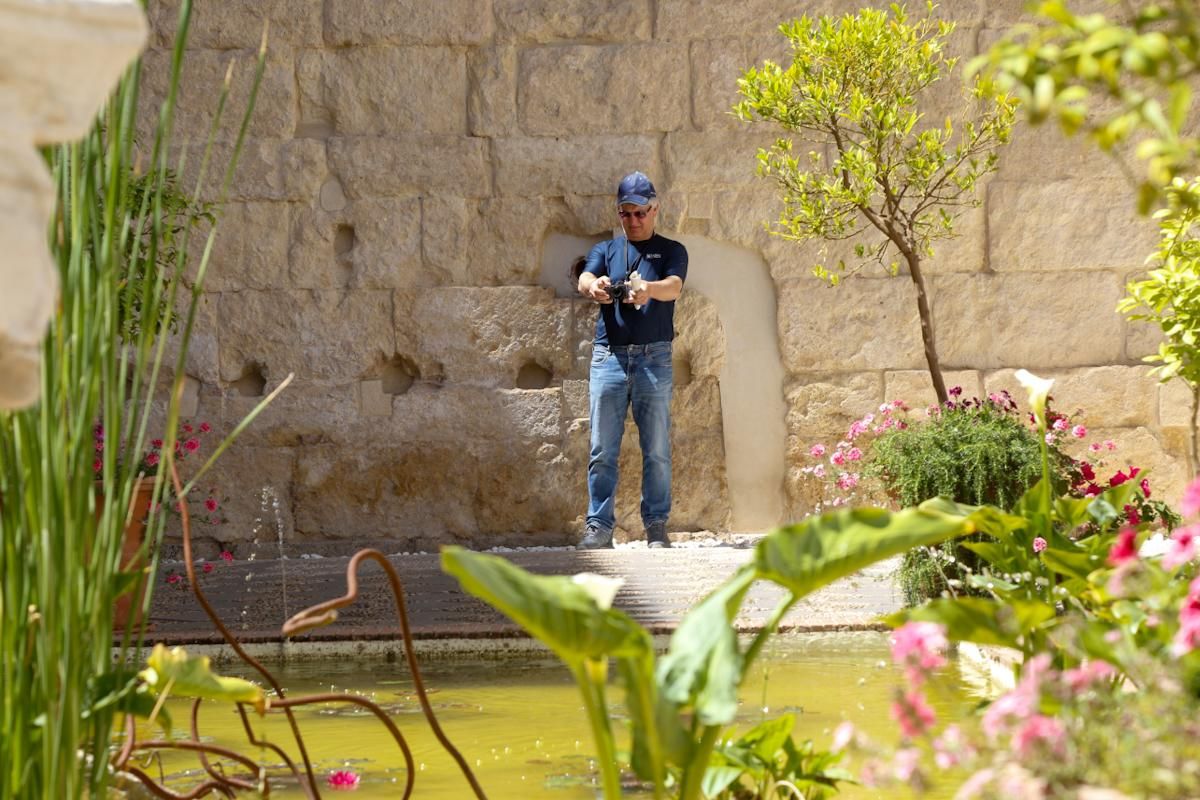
521 725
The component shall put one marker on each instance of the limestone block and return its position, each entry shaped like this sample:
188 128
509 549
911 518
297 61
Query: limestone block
239 26
699 337
372 401
863 323
483 336
250 248
1176 405
699 491
203 77
370 244
533 167
1141 338
596 214
915 387
1078 225
602 89
304 414
583 332
684 20
253 489
716 66
821 408
992 321
268 169
575 399
709 160
410 165
463 413
1000 13
202 355
1164 460
322 335
697 406
445 240
449 22
505 236
385 90
1044 153
492 91
385 491
538 492
1108 397
544 21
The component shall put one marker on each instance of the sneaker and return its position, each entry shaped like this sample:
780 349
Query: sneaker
656 535
595 538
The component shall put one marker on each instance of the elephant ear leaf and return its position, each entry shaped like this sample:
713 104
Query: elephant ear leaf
176 672
812 554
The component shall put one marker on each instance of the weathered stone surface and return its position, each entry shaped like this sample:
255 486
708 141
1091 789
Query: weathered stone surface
250 250
993 321
267 169
453 22
711 160
915 387
253 489
239 26
204 74
699 337
863 323
319 335
1176 405
1165 459
385 90
410 165
602 90
1091 224
483 336
371 244
492 91
716 65
697 406
532 167
303 414
202 355
684 20
445 241
574 20
1109 397
505 236
1044 153
575 399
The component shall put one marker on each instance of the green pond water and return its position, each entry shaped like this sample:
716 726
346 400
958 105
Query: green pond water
520 723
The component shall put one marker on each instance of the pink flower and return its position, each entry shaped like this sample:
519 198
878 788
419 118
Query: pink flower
1188 636
173 578
1145 484
1060 424
1020 703
1189 504
97 465
156 444
819 470
208 567
185 428
1131 514
1039 544
343 779
817 450
210 504
1094 447
1124 549
854 454
1110 444
1050 438
1182 548
951 748
1090 673
913 714
1092 490
919 647
99 445
205 427
906 765
152 459
1036 731
1079 431
1085 470
192 445
838 458
847 480
227 556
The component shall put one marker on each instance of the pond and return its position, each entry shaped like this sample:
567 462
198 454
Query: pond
520 723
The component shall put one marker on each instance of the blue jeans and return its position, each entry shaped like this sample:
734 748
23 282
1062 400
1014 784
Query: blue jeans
620 376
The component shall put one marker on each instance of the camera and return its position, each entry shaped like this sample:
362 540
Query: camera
618 291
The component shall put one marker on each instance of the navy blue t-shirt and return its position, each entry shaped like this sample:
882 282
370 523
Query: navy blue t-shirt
654 259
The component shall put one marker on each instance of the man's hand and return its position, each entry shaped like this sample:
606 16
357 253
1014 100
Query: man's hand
641 296
598 290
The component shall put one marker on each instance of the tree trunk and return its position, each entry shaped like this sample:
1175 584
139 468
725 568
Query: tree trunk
931 356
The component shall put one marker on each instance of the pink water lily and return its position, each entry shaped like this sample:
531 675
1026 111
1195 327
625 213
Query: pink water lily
343 779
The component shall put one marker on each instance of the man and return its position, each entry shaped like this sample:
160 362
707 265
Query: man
631 360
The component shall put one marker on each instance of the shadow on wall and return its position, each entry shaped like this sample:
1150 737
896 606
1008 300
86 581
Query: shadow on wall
753 411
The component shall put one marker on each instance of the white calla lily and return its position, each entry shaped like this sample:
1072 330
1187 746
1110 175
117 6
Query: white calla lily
601 588
1039 390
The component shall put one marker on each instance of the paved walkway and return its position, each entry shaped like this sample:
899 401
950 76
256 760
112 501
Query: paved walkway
255 597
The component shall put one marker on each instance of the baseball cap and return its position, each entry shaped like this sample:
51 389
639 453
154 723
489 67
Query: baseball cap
635 188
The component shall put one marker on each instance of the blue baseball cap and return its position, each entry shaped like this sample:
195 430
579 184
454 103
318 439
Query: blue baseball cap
635 188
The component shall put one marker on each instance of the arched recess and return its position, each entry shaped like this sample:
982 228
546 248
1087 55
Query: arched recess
753 410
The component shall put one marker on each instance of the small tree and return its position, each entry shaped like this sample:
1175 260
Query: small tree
853 90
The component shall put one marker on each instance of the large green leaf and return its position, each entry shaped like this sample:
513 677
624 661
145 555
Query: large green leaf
174 671
811 554
1072 563
980 619
559 612
657 732
703 667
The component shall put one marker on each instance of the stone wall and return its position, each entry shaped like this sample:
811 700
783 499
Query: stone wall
384 241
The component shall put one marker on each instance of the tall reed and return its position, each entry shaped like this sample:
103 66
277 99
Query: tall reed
60 540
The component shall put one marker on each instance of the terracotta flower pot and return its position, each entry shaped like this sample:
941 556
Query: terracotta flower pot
124 607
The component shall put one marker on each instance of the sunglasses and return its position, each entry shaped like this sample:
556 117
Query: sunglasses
640 214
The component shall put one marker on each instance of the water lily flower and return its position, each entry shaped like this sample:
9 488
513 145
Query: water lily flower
343 779
1039 390
601 588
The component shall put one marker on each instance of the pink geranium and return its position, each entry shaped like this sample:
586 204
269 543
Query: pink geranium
817 450
913 714
919 647
1079 431
1038 731
1182 548
227 556
1189 504
1124 549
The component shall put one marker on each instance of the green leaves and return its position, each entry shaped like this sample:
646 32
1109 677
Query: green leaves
175 672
